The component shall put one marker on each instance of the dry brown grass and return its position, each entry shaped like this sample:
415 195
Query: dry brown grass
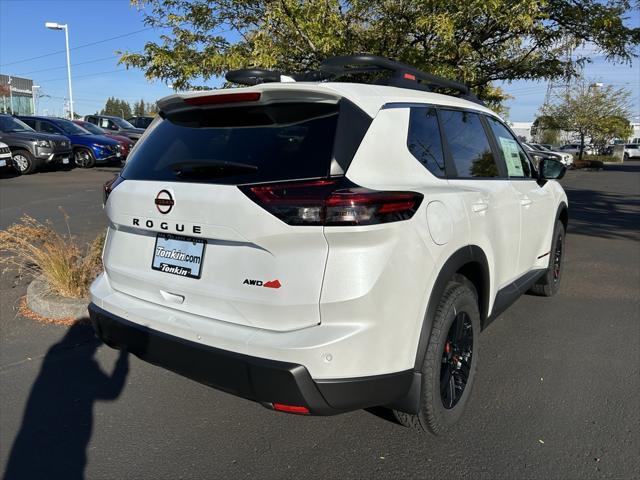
35 248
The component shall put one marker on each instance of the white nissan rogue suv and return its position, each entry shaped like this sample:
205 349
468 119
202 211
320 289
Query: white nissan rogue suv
321 246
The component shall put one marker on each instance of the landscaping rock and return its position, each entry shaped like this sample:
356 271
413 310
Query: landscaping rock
42 301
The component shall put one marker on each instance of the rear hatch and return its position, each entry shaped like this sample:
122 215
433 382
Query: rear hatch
184 234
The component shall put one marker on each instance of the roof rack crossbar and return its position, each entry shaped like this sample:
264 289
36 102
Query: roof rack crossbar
355 63
403 76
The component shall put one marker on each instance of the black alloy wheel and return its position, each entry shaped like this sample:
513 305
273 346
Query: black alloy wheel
456 360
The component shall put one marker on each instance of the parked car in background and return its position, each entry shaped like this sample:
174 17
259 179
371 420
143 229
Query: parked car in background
140 122
87 148
574 148
536 155
6 160
30 149
565 158
125 142
116 125
631 150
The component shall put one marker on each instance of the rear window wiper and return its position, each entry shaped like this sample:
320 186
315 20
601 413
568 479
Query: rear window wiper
210 169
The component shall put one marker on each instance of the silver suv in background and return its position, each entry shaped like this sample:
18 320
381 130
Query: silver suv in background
30 149
116 125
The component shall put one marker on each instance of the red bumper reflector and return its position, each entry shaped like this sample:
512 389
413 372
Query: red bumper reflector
223 98
281 407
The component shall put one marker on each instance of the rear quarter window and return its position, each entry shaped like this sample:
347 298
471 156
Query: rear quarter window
424 140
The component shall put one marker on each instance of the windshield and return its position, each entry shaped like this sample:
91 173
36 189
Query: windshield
93 128
10 124
121 122
71 128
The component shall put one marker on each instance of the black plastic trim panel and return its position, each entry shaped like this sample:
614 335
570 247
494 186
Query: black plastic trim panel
258 379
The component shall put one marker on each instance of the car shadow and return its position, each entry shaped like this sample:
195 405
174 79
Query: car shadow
58 418
605 215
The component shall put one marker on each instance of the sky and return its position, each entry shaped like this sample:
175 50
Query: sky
96 74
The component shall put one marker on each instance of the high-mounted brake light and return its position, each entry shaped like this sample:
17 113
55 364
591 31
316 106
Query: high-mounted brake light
223 98
108 187
332 202
409 76
281 407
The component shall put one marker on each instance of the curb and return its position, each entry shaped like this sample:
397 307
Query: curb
47 304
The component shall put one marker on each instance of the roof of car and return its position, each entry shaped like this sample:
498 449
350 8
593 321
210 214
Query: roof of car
370 98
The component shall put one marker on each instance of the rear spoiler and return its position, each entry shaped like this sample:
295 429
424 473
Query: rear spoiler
261 95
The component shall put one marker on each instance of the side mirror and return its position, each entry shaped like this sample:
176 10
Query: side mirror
550 169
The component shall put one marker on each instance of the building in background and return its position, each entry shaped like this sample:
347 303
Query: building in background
16 95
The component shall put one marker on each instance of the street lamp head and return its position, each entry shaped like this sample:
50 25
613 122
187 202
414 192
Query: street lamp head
54 26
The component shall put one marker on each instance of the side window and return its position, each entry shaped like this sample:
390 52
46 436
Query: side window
424 141
112 126
46 127
517 162
104 123
468 144
29 121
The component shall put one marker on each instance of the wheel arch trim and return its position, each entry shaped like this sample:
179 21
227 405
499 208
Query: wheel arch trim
470 254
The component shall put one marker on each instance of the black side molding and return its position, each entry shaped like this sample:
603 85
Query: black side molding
510 293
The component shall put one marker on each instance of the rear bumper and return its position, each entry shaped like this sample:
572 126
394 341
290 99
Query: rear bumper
258 379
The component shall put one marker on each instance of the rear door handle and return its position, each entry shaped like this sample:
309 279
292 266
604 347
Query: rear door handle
526 201
479 206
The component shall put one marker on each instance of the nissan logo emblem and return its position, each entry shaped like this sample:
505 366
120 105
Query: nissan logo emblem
164 201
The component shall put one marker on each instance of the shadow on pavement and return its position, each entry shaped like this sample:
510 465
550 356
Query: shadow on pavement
58 419
604 215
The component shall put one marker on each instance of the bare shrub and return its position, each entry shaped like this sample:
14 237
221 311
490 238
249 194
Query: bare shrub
35 248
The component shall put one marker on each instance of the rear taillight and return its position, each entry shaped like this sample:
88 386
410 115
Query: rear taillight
108 187
335 202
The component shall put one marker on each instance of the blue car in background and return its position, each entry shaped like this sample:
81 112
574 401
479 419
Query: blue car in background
87 147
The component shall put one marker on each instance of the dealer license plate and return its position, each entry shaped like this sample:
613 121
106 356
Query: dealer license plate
3 163
65 161
178 255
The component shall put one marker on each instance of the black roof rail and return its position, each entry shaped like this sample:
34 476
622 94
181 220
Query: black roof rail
403 76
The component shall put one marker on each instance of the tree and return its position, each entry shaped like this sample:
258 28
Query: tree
139 108
545 130
476 41
592 110
116 107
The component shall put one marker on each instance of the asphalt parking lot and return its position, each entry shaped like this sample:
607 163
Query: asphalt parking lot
557 392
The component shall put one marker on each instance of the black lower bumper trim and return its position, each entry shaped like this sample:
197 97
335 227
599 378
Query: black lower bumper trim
258 379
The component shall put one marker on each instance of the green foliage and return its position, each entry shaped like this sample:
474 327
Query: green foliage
476 41
545 130
116 107
591 110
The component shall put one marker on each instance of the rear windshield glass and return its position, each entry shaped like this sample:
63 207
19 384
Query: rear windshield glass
238 145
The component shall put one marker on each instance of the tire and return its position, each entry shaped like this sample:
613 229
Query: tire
549 283
440 406
83 158
24 162
626 157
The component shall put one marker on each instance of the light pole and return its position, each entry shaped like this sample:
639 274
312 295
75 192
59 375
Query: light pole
58 26
11 96
33 98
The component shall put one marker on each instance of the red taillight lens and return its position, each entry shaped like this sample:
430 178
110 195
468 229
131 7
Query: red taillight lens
108 187
223 98
332 203
281 407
